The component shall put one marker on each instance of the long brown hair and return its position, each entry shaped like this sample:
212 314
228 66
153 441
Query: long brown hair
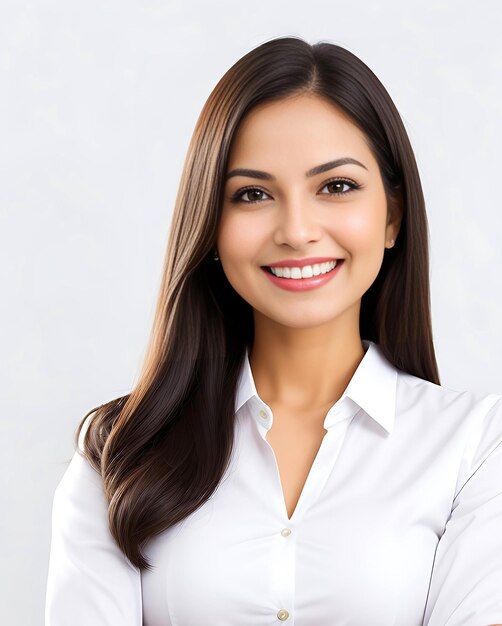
162 449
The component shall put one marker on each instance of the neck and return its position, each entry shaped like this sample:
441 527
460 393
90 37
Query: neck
307 368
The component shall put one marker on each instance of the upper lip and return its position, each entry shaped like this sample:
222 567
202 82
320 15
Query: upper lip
303 262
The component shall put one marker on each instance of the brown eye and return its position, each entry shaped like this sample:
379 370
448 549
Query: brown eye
254 195
336 186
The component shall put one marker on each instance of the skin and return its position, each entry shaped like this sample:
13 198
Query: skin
307 344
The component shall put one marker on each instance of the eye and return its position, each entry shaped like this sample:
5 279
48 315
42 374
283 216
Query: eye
338 184
251 192
255 194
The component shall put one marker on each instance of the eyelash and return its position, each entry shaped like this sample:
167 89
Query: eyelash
353 186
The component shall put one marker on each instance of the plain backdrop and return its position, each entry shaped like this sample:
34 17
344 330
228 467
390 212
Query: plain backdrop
98 104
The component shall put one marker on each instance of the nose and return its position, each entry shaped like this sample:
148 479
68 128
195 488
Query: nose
297 223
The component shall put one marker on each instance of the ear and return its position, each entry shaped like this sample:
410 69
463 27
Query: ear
395 208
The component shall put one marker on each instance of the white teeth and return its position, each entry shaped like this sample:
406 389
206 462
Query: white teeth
304 272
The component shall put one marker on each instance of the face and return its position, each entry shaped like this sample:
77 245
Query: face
292 214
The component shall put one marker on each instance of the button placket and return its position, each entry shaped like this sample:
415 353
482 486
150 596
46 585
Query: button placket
285 572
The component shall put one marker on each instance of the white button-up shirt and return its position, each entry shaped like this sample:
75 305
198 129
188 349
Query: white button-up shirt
399 523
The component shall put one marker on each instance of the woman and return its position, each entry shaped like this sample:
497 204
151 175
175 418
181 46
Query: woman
288 454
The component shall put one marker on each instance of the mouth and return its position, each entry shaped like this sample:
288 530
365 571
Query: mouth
317 270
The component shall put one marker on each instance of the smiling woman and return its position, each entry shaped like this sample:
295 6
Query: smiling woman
288 450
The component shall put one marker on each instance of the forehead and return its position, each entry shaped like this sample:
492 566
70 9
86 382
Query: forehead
302 129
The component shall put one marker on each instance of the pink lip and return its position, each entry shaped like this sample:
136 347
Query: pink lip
301 262
302 284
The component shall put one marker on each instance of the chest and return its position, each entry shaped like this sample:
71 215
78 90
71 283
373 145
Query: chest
295 441
368 527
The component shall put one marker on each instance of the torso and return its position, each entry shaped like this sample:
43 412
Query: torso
295 442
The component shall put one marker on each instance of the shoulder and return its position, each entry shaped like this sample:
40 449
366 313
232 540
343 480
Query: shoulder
81 476
442 402
442 393
83 430
461 423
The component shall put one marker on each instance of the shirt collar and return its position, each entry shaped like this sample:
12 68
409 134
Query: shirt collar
372 388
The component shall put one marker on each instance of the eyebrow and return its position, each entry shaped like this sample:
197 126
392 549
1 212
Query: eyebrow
319 169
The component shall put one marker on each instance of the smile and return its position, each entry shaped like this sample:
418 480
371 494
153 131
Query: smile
306 271
303 279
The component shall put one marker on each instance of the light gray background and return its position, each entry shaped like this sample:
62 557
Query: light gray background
98 103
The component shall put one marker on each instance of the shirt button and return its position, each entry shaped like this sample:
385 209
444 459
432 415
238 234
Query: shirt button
285 532
283 614
264 415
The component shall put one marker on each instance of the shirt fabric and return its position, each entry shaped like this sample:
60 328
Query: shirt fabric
399 523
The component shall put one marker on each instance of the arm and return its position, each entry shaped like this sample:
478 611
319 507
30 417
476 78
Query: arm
90 581
466 582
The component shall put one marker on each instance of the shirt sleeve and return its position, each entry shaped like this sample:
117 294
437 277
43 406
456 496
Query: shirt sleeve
90 580
466 581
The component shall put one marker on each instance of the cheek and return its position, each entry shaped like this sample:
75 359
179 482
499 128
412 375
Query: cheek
237 244
238 238
227 234
362 230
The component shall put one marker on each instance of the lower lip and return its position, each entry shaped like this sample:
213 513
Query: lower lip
302 284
